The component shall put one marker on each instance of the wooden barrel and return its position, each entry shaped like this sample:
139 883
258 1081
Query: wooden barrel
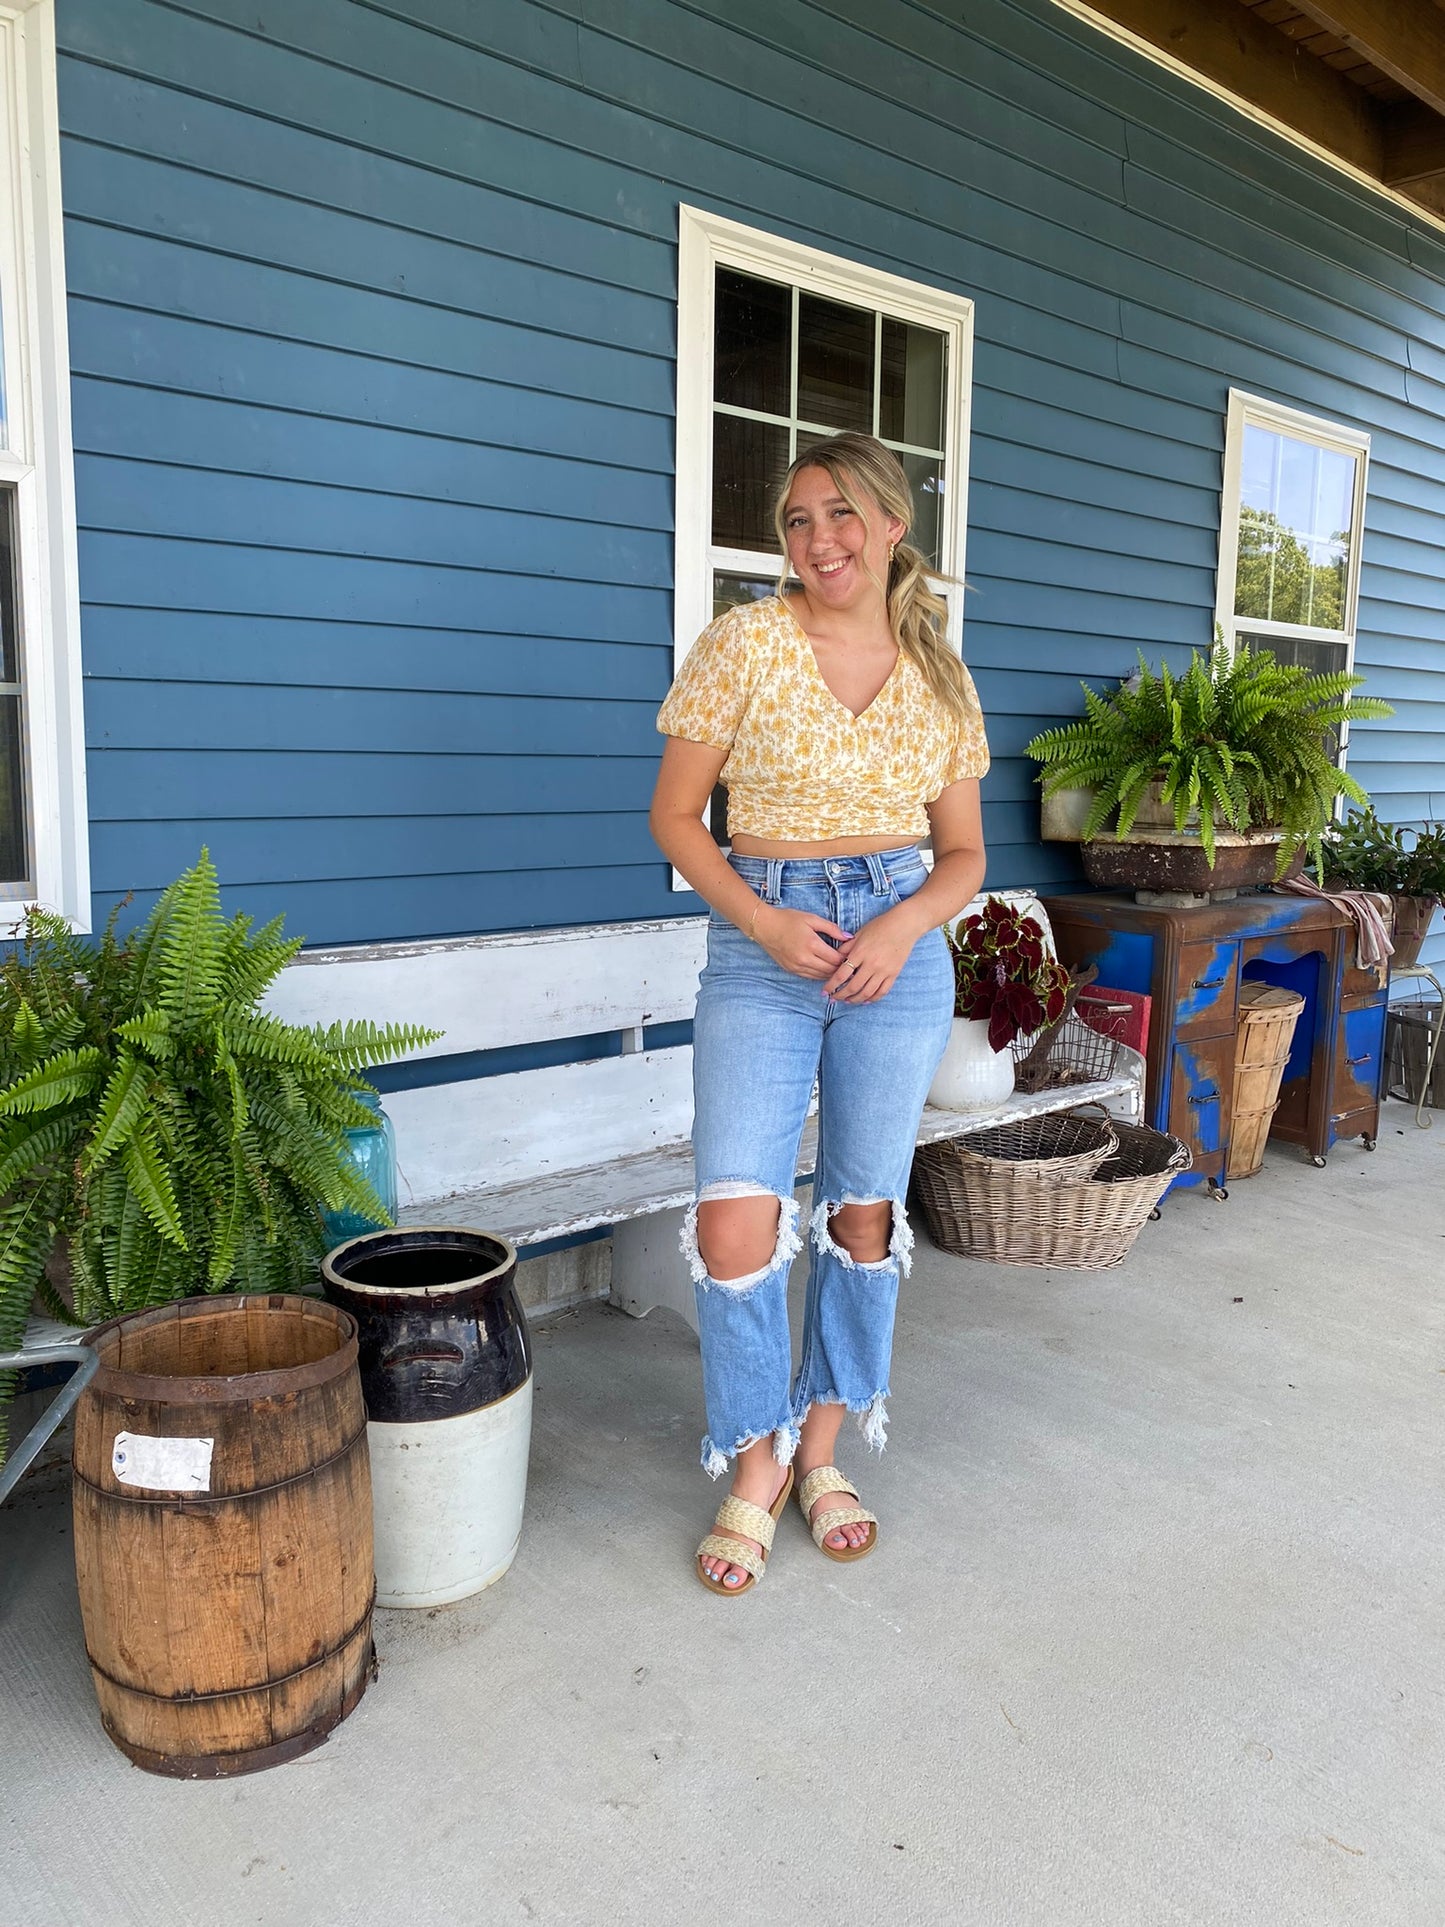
223 1549
1267 1019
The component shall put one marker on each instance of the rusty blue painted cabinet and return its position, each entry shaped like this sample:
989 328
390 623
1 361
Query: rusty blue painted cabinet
1190 963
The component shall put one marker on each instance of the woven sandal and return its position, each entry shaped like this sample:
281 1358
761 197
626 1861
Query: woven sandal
827 1478
740 1515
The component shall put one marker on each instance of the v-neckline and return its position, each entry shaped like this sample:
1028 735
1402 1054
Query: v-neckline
817 668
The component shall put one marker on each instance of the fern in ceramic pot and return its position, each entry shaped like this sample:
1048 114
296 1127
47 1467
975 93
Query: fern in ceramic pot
1240 742
1006 986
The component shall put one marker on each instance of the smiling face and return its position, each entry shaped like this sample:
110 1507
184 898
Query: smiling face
839 556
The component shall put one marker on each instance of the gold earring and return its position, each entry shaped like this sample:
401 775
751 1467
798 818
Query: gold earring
890 554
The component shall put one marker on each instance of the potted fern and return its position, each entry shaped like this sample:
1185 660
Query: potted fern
1236 757
161 1134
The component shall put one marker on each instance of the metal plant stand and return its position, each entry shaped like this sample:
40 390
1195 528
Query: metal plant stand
84 1362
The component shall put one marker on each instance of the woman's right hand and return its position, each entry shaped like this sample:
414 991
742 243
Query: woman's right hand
794 939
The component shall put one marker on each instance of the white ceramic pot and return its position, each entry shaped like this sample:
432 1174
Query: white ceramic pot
447 1496
971 1077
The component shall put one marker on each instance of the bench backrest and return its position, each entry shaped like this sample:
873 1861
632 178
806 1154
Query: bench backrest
517 989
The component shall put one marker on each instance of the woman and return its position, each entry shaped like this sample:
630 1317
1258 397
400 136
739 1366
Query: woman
844 728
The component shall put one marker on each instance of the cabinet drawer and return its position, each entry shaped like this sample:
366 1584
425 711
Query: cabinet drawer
1205 989
1361 987
1199 1096
1358 1059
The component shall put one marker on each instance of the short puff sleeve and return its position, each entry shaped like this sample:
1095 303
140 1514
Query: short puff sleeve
970 754
710 691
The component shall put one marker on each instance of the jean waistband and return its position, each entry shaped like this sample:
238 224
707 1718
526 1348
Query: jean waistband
770 874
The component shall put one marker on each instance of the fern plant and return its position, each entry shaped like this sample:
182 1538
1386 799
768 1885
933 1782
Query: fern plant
180 1138
1241 741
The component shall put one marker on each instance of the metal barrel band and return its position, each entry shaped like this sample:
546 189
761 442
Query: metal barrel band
235 1692
196 1501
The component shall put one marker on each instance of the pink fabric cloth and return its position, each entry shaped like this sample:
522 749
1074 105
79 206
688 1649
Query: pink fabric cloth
1368 910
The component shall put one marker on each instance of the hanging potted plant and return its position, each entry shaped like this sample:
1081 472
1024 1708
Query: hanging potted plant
1224 776
1408 866
1006 986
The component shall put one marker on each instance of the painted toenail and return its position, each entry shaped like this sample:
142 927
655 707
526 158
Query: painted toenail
731 1580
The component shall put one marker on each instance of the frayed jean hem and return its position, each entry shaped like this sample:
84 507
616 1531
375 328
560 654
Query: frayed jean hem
785 1444
871 1413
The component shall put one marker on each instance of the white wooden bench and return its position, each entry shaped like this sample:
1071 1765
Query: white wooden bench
549 1154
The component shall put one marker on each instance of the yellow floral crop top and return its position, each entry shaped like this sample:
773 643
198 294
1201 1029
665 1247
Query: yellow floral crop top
801 767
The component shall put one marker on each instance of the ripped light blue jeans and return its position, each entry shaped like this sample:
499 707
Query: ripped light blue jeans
761 1037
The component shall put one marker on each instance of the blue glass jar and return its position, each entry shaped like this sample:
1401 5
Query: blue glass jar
372 1149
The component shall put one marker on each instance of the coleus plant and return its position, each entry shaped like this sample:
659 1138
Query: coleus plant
1003 973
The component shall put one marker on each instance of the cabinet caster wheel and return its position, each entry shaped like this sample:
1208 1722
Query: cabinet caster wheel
1155 1215
1369 1143
1218 1192
1319 1163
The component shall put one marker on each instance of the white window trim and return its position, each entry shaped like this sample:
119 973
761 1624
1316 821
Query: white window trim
707 241
39 463
1255 410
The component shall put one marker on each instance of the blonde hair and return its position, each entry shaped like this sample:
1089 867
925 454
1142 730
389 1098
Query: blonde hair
858 465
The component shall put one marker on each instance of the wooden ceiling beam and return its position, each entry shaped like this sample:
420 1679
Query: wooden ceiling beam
1403 38
1414 145
1259 64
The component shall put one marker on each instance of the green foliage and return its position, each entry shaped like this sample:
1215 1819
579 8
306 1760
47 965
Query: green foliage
179 1138
1237 742
1362 853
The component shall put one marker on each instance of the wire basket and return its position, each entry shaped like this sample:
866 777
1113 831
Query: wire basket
1078 1055
1079 1212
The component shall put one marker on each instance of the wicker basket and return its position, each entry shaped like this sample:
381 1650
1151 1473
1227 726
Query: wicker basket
1080 1210
1267 1019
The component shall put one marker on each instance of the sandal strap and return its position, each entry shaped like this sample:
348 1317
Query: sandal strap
715 1546
826 1478
843 1515
741 1515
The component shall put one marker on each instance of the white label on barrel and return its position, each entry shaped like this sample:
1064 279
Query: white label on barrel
165 1465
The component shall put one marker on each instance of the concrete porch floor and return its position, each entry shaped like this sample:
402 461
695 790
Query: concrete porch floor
1154 1633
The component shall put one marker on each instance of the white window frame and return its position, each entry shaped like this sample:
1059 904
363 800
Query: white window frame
1254 411
707 242
37 461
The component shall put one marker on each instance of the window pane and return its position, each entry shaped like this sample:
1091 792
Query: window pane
1302 652
14 866
728 591
753 327
9 639
925 478
1295 510
749 461
835 364
910 385
14 861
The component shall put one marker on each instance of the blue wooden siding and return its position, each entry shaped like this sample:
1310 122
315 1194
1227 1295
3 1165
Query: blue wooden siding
373 339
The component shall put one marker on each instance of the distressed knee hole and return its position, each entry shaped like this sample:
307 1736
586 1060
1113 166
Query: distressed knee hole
846 1240
729 1250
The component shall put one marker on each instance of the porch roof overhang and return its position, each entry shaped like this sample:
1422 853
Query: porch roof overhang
1363 80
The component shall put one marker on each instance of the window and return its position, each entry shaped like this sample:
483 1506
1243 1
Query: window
780 345
43 829
1289 545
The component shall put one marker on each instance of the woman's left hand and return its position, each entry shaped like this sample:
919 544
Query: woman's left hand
876 954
